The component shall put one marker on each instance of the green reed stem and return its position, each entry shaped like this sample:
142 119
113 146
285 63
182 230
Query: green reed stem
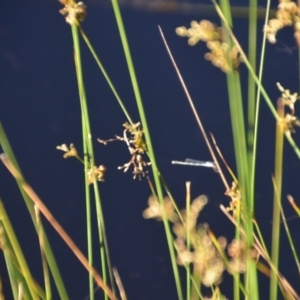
252 47
242 156
263 91
100 65
44 261
236 130
257 109
85 131
89 233
148 140
90 163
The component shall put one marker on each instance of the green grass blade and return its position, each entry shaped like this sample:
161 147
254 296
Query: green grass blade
290 239
252 45
188 239
13 272
48 251
29 285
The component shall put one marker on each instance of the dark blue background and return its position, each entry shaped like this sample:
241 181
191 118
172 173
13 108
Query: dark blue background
39 109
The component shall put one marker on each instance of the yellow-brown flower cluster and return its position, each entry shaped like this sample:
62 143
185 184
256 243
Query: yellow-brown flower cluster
156 211
201 252
207 261
133 136
69 151
239 253
290 121
288 14
221 55
235 195
75 12
94 173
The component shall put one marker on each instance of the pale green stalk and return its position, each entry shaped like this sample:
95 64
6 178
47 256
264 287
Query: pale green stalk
277 202
88 211
44 261
290 239
148 141
282 283
196 287
188 239
261 240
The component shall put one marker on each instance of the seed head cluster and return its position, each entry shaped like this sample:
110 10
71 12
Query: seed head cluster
194 243
93 173
133 136
223 56
201 252
288 14
75 12
239 253
290 121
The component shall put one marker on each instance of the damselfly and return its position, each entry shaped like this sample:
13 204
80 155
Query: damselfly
196 163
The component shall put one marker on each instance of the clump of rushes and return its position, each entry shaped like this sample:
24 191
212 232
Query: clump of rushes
94 173
74 12
222 55
194 244
155 210
206 260
287 15
133 136
290 121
